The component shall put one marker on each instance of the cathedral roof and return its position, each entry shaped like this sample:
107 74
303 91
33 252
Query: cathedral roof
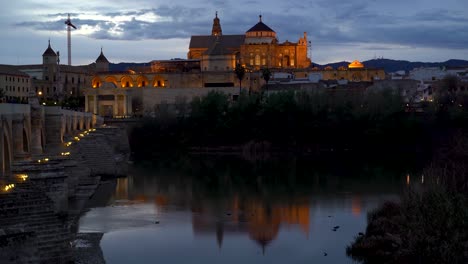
260 26
216 49
49 51
225 41
102 58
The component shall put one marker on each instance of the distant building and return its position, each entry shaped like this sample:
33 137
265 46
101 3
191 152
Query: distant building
258 47
14 84
430 74
52 80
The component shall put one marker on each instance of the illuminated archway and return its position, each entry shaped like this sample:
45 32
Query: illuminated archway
111 79
142 81
96 82
126 81
158 81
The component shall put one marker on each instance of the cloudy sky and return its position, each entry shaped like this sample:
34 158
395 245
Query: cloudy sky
145 30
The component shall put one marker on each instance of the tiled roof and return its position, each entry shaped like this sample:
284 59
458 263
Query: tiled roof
260 26
225 41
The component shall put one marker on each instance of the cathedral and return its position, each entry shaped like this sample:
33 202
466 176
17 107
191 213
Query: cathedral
257 48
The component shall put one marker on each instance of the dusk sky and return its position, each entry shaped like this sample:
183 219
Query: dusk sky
146 30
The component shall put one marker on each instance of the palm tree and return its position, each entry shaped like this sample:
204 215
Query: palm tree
266 75
240 72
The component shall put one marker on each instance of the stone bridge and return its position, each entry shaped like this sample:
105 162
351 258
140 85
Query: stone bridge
30 130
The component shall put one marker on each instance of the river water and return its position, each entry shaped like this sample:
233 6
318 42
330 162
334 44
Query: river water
228 210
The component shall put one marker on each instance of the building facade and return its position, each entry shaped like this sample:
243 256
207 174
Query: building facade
14 84
257 48
54 81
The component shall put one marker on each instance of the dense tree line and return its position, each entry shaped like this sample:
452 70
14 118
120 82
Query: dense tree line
297 120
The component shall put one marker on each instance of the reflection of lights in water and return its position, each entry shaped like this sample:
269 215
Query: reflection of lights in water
422 179
356 205
407 179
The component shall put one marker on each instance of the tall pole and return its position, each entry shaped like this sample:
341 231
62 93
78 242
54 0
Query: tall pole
69 39
69 26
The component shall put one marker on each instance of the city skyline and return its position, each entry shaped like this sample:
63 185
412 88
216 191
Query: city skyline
143 30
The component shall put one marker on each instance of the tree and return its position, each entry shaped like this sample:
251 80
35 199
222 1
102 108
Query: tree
240 72
266 75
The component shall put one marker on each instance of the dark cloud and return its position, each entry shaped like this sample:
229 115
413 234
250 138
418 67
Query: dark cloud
332 21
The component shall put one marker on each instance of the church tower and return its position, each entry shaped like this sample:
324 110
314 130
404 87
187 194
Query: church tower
49 56
216 31
102 64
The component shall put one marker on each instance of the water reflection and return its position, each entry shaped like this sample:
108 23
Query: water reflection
283 206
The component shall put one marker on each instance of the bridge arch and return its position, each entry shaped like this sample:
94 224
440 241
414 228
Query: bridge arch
6 150
25 141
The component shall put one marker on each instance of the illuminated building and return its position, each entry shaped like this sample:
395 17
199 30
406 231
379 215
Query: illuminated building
258 47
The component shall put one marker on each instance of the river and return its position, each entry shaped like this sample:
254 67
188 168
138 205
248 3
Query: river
228 210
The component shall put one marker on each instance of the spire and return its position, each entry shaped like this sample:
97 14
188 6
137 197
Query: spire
102 58
216 31
49 51
260 16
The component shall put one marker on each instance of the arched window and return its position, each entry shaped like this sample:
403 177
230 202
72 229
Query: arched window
257 60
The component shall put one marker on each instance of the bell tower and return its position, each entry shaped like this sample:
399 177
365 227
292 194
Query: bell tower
216 31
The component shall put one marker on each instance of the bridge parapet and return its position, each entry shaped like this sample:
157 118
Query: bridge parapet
26 130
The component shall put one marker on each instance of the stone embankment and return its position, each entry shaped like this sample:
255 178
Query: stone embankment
40 202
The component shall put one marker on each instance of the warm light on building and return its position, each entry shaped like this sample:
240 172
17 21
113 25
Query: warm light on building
355 65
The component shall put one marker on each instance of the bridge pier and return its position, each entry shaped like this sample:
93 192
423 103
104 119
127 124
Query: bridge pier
20 138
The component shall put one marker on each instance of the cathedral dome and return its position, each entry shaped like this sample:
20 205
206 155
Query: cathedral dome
260 33
260 27
356 65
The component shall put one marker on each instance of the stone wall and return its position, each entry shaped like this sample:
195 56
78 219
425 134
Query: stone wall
38 216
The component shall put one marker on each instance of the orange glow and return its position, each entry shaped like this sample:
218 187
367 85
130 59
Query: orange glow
356 65
408 179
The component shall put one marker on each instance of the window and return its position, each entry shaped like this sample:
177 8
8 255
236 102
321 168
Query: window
47 78
264 61
257 59
47 90
73 79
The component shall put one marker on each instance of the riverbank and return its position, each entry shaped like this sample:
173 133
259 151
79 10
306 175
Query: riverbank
429 224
